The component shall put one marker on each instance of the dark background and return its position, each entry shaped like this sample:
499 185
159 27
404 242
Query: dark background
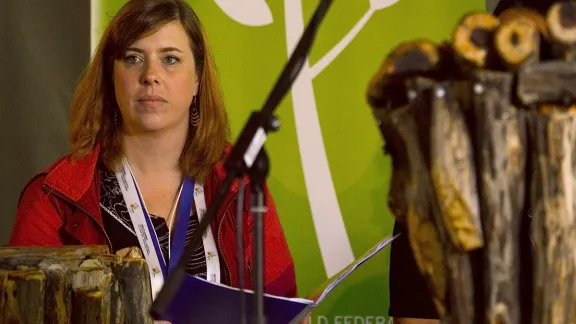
44 47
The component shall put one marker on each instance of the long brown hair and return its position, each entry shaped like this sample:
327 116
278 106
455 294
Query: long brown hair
94 110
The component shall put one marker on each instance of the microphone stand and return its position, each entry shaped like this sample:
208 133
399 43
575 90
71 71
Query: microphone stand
240 250
258 175
246 153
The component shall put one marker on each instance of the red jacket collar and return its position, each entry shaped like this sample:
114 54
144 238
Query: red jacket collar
73 178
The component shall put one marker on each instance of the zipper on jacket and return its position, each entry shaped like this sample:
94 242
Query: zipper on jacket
61 196
219 237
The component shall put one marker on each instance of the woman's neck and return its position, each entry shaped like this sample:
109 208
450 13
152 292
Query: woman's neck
154 153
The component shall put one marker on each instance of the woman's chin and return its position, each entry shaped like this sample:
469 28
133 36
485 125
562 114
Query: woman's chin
153 124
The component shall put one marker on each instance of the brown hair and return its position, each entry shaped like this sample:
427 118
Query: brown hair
94 105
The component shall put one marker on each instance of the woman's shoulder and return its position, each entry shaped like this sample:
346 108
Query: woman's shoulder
36 182
70 175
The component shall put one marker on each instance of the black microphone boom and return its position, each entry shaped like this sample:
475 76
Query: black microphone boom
247 151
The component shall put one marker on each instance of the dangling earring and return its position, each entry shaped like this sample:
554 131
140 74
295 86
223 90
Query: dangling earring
194 113
115 118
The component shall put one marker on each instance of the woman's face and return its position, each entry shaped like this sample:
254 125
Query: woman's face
156 81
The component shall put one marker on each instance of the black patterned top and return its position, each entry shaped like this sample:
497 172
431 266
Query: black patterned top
118 225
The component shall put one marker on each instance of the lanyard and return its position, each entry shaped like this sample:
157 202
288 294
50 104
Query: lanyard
146 234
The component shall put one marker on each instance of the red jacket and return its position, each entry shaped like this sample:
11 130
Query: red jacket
61 206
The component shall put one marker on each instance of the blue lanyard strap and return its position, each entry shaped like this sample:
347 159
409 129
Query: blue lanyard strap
182 221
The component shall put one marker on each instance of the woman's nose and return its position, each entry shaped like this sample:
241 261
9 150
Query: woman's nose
150 73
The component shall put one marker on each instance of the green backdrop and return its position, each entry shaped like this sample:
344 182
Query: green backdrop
249 39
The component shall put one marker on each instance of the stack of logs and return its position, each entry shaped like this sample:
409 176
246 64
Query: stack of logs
74 284
483 128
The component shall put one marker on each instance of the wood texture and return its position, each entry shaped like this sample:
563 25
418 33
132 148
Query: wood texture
114 263
460 280
472 40
423 235
561 20
517 41
73 285
57 303
499 135
486 135
89 306
411 58
135 291
60 251
547 82
446 267
553 213
453 170
24 296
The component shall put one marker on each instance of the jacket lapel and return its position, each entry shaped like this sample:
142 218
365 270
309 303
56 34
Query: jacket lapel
78 182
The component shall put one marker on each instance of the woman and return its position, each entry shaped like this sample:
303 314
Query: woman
148 114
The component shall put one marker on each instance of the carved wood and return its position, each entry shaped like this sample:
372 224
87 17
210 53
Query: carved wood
73 285
553 213
423 235
23 296
446 266
500 144
561 20
459 275
472 40
489 138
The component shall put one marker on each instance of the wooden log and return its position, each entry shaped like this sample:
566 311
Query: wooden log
3 292
91 285
81 285
455 219
89 306
447 269
130 253
396 148
472 40
30 257
419 57
56 251
524 12
453 171
24 296
553 204
135 291
31 261
517 39
57 301
552 82
114 263
422 233
500 148
388 90
10 312
561 19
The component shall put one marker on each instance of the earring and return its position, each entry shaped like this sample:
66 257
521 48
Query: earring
194 113
115 117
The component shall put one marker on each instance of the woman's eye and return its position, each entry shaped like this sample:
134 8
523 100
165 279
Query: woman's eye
132 59
171 60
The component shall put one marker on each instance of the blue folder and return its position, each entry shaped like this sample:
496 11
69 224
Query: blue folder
200 301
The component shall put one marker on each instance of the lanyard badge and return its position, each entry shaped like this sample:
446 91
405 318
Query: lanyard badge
148 239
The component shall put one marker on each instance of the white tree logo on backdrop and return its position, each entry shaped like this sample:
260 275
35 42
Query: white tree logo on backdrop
328 222
258 14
